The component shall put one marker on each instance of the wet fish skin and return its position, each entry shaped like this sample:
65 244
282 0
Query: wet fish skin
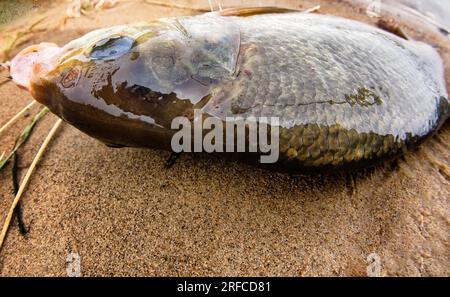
347 95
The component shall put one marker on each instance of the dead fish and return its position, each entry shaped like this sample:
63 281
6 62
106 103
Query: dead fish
347 95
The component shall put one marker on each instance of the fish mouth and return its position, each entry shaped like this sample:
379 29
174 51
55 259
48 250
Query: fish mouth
29 65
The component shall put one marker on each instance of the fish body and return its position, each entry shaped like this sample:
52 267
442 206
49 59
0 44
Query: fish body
346 94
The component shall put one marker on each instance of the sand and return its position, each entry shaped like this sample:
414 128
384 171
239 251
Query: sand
125 214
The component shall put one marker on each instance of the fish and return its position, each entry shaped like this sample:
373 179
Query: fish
346 95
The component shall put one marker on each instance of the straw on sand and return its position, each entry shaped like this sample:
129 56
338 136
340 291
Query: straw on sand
18 115
173 5
26 179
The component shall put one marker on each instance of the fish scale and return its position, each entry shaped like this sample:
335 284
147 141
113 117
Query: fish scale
322 51
346 94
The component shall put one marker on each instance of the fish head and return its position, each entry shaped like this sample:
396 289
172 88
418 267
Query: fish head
127 76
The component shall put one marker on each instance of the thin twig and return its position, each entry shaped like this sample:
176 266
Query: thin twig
7 78
1 157
171 5
26 179
18 115
5 82
211 6
15 180
312 9
24 136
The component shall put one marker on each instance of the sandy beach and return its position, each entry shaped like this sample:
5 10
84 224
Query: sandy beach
125 214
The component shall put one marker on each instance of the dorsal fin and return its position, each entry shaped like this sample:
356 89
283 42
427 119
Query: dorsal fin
250 11
392 27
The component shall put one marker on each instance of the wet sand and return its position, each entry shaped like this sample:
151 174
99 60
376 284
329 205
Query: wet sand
125 214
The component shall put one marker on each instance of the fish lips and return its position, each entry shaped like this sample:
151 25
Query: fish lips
33 62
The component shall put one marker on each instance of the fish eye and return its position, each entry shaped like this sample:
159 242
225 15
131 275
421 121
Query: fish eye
111 48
